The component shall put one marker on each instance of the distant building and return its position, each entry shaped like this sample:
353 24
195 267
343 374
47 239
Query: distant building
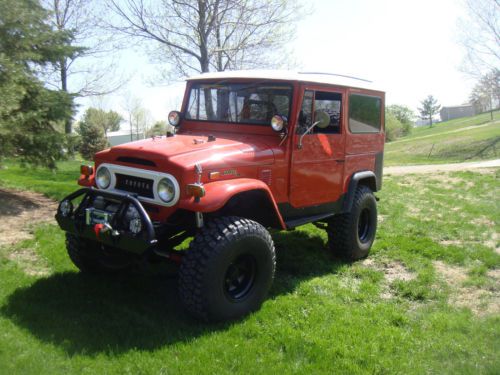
123 136
457 111
424 122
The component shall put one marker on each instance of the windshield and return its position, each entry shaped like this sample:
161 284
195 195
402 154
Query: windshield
238 103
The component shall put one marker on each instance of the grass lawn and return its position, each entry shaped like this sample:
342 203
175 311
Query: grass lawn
425 301
54 184
459 140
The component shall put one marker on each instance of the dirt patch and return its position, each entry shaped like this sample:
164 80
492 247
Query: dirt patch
29 262
444 180
414 211
451 243
480 301
392 271
482 220
492 242
20 211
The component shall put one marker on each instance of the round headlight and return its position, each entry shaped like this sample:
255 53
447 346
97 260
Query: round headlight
135 225
103 178
277 123
166 190
66 207
174 118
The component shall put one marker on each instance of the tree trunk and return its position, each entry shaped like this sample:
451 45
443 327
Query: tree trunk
491 107
131 128
64 87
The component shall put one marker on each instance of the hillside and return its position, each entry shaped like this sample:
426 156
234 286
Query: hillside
459 140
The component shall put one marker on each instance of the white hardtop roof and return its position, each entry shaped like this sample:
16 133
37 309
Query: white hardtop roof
287 75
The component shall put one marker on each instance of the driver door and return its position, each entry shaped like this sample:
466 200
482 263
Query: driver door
317 167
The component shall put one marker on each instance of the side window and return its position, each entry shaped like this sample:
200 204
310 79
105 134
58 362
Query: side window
364 114
328 102
305 115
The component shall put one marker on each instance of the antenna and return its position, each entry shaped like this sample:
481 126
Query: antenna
338 75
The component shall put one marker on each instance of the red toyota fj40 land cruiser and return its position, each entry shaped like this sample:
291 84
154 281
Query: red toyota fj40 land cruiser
252 150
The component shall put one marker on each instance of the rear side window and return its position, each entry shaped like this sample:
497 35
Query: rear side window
365 114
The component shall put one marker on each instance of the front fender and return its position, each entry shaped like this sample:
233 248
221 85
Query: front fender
218 193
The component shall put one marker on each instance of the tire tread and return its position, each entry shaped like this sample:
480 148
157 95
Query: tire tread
208 243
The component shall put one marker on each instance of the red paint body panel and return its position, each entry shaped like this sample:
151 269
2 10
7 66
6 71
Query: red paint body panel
219 192
317 168
257 158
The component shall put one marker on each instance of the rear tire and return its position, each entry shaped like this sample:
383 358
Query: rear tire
228 269
351 235
93 257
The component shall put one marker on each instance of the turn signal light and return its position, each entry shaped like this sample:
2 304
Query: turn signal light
87 170
196 190
214 175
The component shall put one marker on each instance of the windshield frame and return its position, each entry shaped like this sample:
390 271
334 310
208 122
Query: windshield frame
195 84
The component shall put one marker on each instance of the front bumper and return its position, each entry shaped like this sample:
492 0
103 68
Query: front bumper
118 236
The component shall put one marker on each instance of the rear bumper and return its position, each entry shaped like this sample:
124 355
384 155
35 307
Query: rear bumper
120 237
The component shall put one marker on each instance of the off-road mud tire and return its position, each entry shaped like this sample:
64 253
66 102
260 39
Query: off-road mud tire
351 235
206 269
92 257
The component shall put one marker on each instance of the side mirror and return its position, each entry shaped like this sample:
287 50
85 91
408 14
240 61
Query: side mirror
174 118
322 121
278 123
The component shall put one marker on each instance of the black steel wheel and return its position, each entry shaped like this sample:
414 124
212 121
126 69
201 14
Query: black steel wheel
240 277
351 235
228 269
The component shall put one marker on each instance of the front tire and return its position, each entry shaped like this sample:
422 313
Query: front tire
93 257
228 269
351 235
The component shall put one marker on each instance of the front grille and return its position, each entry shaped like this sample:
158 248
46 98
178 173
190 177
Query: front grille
138 185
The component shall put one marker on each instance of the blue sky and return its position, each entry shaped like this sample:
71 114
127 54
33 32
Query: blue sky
408 48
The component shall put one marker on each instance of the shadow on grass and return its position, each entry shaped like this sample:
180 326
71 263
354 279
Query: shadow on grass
90 315
15 204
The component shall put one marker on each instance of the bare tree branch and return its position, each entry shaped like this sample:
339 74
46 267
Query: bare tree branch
480 37
202 35
92 71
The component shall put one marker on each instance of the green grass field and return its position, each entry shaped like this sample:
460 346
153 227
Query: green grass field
459 140
54 184
425 301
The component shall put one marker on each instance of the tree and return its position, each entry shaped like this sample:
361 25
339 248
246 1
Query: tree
404 115
31 115
107 121
481 36
485 95
84 73
138 117
393 127
92 136
210 35
160 128
429 108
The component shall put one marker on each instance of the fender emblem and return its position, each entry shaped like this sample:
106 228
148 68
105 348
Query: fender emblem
230 172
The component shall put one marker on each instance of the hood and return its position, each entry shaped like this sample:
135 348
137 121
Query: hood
185 150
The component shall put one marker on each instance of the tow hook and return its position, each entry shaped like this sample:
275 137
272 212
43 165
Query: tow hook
103 228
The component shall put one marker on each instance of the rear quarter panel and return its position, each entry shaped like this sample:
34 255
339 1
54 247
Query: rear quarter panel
363 150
